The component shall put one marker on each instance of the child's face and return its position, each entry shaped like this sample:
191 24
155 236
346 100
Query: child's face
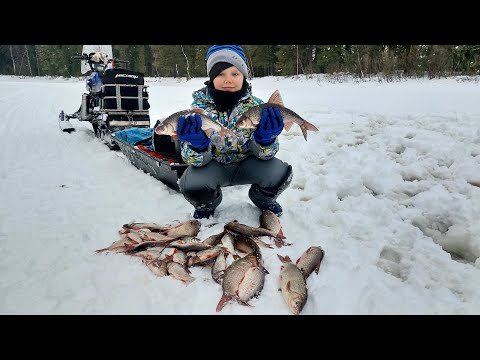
230 79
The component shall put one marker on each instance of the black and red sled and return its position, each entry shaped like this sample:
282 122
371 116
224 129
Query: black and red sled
157 155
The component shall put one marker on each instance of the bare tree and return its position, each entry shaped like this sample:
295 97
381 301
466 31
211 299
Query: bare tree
38 66
297 58
28 59
186 58
359 62
21 60
13 61
250 66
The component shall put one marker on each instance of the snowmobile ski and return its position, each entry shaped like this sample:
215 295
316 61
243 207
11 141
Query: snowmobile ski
65 125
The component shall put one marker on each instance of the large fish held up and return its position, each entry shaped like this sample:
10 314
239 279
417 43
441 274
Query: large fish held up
209 125
251 118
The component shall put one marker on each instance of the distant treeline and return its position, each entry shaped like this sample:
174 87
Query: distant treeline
263 60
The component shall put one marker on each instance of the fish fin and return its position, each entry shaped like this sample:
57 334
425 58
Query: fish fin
244 303
288 286
260 242
129 247
148 261
287 125
188 281
284 259
223 300
222 133
194 260
208 132
279 242
276 99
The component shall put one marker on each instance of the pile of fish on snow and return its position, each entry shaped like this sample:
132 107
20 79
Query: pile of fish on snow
172 249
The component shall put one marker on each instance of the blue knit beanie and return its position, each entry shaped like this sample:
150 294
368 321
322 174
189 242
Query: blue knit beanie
232 54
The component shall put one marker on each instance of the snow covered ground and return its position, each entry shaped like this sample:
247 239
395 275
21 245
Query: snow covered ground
389 188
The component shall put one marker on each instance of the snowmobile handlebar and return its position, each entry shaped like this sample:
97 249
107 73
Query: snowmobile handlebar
86 57
80 57
118 61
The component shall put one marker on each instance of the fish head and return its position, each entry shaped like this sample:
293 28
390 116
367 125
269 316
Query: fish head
159 129
248 120
194 225
296 302
165 129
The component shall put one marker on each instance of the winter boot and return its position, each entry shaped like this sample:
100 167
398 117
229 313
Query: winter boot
205 211
265 198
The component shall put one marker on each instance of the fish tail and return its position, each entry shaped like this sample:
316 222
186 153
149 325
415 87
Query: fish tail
307 126
223 300
304 131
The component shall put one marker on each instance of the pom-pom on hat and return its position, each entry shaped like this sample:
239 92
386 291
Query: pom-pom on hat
232 54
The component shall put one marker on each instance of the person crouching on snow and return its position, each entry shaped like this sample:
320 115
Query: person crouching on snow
248 158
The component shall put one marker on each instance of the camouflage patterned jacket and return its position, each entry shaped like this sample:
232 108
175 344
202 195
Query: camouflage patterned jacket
234 150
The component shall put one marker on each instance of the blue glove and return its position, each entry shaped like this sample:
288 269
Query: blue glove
189 129
270 126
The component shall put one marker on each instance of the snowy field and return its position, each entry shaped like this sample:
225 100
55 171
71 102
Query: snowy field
389 188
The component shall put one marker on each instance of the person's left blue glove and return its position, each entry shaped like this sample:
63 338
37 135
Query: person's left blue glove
269 127
189 129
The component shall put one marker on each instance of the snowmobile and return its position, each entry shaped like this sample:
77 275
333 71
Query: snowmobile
116 104
116 98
